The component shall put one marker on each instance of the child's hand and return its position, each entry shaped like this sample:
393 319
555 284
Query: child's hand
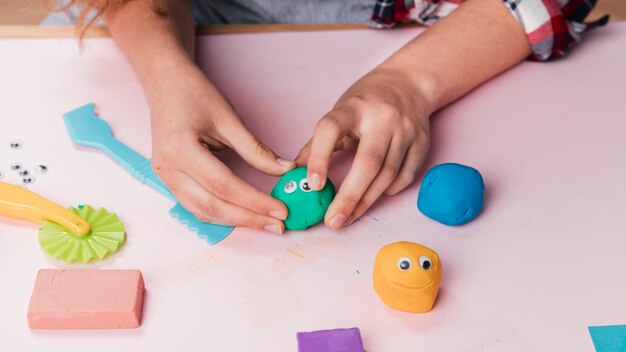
386 116
190 117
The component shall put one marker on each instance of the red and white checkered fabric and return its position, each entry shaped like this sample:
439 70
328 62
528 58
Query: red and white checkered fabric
552 26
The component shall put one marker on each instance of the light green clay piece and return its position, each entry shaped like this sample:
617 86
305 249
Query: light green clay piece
106 236
306 207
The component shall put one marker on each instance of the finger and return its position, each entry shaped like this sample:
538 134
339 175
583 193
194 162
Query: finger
329 130
220 181
254 152
410 167
345 143
209 208
303 155
388 172
367 163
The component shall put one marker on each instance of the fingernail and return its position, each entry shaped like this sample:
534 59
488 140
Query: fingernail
336 221
350 220
315 181
273 228
284 162
278 214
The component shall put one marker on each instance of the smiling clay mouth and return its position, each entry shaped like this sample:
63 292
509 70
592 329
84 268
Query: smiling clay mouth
393 283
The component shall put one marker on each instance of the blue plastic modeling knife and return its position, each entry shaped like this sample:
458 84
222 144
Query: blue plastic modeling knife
608 338
86 129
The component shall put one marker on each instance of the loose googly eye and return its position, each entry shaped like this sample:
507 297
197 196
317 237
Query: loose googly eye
425 262
28 180
15 166
23 172
304 185
404 263
290 187
16 144
41 169
1 175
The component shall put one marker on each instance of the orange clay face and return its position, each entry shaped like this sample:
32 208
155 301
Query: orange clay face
407 276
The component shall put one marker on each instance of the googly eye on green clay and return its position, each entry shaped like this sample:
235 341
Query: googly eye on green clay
305 206
304 185
290 187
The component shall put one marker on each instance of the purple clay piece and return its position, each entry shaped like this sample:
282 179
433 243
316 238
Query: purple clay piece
336 340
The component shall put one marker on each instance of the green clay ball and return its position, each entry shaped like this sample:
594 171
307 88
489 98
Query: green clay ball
306 207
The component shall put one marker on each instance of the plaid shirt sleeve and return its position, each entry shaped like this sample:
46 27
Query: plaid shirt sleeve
553 27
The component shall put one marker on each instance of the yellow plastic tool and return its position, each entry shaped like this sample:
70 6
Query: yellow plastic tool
20 203
76 234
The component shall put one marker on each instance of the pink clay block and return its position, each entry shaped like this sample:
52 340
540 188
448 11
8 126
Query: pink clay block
86 299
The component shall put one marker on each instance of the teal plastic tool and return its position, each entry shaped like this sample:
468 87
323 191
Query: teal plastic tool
608 338
86 129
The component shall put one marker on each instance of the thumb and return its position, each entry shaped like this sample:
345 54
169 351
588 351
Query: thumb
255 153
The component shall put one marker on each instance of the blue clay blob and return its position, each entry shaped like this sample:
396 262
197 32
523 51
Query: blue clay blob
451 194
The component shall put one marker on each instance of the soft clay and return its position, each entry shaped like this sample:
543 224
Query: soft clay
306 207
86 299
407 276
336 340
451 194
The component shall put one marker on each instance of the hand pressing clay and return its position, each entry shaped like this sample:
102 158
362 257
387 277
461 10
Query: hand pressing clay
407 276
451 194
306 207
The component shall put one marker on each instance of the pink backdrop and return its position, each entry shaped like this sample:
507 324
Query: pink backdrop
544 260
